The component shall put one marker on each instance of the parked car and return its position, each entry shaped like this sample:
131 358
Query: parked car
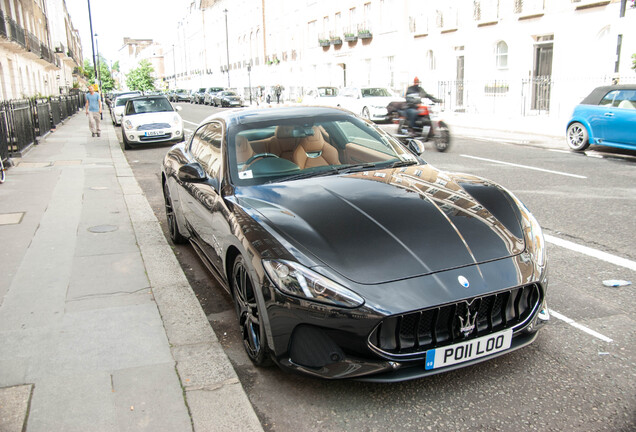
322 96
227 98
210 92
181 95
150 120
119 105
346 254
368 102
607 116
197 95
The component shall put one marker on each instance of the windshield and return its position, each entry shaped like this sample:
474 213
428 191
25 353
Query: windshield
374 92
228 93
293 148
148 105
327 91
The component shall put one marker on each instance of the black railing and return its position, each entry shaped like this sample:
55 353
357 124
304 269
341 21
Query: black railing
22 121
3 25
33 43
17 32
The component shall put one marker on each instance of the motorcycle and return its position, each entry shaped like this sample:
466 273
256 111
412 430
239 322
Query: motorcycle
428 125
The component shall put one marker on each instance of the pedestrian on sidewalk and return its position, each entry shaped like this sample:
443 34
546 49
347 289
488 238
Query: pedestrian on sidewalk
94 110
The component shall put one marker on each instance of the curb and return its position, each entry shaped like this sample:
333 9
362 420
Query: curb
214 396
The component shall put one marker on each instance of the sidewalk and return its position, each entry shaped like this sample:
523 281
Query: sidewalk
99 328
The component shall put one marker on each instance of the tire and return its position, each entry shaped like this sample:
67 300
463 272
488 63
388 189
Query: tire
577 137
173 228
442 138
2 174
250 320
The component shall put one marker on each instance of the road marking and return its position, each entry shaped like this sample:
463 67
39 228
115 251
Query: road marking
524 166
580 326
497 140
604 256
560 151
186 121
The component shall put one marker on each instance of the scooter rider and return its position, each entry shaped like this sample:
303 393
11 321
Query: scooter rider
414 95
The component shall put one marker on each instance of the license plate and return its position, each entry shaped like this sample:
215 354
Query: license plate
153 133
234 103
469 350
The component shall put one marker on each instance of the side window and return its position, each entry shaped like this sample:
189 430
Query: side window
609 98
626 99
206 147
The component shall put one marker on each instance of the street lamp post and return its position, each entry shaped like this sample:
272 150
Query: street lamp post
90 21
227 49
174 66
249 79
98 76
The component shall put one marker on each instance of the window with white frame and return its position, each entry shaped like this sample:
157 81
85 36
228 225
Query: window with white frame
430 60
501 55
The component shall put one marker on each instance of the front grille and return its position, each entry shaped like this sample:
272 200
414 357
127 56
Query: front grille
152 126
155 137
416 332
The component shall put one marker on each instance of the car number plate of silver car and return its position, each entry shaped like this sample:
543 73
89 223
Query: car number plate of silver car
154 133
469 350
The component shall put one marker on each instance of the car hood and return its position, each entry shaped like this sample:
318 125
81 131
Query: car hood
382 101
153 117
392 224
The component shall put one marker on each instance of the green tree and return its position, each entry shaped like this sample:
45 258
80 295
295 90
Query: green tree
634 61
105 76
141 78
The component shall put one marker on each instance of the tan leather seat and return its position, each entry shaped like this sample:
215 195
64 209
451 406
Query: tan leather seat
313 151
244 150
283 142
627 104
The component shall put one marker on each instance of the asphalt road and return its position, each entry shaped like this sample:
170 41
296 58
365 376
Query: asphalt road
580 374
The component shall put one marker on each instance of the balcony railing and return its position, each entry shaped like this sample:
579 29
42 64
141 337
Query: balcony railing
3 25
33 43
17 33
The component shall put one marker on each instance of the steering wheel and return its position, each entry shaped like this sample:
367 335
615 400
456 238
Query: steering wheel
259 156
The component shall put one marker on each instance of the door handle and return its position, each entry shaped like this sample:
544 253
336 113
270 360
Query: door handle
609 114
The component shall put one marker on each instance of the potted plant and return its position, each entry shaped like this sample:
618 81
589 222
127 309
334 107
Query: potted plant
324 42
364 34
350 37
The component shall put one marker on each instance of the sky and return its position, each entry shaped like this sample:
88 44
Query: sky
115 19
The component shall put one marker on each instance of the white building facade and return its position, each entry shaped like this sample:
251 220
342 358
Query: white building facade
531 57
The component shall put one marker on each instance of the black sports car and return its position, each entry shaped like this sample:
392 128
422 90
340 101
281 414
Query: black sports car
346 254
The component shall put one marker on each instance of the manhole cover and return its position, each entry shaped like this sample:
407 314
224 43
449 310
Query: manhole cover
103 228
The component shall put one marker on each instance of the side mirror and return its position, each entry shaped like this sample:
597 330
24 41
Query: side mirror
192 173
178 108
416 146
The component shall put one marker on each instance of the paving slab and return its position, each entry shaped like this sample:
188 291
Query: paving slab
14 404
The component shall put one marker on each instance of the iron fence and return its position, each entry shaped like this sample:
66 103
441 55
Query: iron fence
23 121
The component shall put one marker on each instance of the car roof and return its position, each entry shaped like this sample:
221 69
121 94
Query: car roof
594 98
153 96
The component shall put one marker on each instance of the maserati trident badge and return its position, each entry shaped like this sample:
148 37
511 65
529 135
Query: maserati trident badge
468 325
463 281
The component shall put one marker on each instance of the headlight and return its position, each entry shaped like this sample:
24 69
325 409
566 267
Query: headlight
537 247
298 281
128 124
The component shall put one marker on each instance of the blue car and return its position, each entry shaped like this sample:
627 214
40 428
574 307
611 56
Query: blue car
607 116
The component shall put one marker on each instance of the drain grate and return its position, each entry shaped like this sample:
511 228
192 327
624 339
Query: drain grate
100 229
11 218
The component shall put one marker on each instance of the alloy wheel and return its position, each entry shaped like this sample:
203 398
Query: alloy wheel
577 137
173 228
250 322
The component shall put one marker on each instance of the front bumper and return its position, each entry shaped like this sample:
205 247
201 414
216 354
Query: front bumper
335 343
165 135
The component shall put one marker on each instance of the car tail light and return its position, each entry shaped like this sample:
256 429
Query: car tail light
422 110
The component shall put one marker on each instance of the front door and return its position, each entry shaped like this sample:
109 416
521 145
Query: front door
542 76
460 82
